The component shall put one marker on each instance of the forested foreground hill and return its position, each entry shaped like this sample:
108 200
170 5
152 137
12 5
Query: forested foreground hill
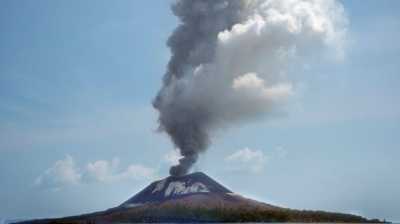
180 213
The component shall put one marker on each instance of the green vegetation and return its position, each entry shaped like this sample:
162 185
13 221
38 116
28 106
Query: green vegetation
184 214
181 213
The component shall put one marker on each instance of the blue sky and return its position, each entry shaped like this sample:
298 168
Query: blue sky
76 83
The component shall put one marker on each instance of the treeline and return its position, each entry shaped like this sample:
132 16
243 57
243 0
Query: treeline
248 215
181 213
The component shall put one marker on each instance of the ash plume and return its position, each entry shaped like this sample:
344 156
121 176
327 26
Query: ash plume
229 63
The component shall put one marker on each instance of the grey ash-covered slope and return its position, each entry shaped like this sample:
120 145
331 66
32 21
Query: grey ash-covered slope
174 187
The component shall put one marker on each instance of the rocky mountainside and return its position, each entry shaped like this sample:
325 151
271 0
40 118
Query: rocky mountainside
176 187
198 198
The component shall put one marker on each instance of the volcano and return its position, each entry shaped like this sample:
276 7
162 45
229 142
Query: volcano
175 187
198 198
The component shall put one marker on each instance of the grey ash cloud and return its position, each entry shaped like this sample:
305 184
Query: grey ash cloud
229 64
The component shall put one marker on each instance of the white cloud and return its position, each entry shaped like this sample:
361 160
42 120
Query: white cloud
246 160
110 171
137 172
101 170
172 157
65 173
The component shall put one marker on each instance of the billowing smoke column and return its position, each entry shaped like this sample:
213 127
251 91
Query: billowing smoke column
230 62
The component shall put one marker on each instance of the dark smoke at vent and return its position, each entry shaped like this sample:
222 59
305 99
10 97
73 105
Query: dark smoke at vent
228 64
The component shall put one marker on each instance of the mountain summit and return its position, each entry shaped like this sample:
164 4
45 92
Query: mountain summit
198 198
174 187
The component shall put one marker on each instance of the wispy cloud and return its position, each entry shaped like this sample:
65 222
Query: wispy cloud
65 172
101 170
247 160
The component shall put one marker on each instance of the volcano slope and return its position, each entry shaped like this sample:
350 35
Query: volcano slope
198 198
